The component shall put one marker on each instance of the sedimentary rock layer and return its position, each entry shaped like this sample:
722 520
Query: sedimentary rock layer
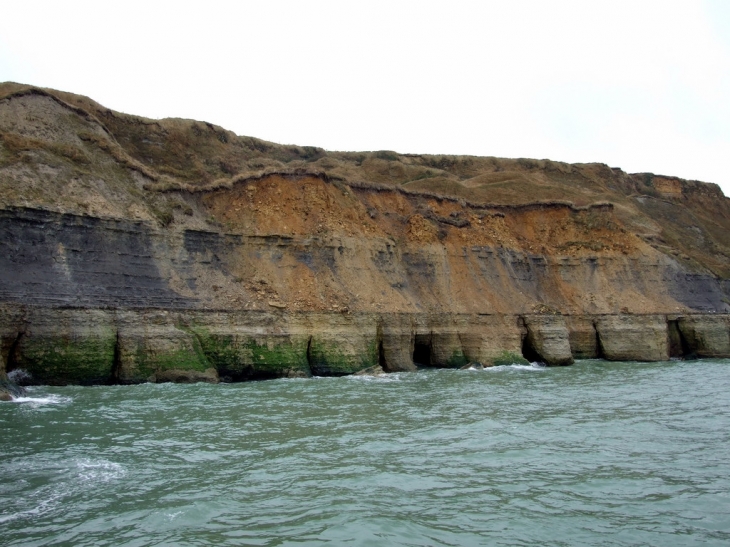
57 259
92 346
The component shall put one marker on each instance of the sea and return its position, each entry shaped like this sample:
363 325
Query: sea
598 453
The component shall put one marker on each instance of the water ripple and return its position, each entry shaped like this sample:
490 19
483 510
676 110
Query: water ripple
594 454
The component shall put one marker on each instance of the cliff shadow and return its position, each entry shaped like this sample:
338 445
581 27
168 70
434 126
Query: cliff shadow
423 350
599 353
10 365
679 347
529 352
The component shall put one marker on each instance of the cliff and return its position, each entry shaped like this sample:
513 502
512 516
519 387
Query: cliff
136 249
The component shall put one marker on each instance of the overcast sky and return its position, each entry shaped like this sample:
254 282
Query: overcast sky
641 85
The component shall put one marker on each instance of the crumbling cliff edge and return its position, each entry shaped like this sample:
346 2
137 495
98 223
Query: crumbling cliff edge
137 250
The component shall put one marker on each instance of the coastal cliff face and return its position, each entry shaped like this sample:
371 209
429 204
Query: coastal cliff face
173 250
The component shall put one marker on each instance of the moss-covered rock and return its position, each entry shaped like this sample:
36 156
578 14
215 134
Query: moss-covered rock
329 357
509 358
238 357
68 358
457 359
185 376
148 352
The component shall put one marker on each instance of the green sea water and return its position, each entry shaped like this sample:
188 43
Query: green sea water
594 454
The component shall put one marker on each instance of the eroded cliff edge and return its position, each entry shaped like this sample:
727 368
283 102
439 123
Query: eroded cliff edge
135 249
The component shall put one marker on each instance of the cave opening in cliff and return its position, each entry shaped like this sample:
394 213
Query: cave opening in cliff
12 367
422 350
117 362
529 352
678 345
310 359
599 345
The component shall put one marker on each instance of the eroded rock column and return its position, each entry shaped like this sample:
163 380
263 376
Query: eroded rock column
548 336
706 336
633 337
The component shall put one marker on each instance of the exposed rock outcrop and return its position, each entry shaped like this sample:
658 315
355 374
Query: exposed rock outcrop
633 337
705 336
547 337
82 346
137 250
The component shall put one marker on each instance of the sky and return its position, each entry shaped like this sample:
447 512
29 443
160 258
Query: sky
643 85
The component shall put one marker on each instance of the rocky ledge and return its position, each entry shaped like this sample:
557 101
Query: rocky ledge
84 346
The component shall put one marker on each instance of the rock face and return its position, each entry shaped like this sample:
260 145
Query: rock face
90 346
135 250
705 336
547 339
633 337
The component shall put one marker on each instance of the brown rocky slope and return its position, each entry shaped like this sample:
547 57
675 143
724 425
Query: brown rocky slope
136 249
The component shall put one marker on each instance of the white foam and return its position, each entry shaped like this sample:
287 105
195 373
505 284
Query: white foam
99 470
43 507
79 474
515 366
387 377
47 400
173 516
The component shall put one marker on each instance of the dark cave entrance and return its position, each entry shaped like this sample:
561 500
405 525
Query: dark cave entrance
678 345
12 367
422 350
381 356
599 345
529 352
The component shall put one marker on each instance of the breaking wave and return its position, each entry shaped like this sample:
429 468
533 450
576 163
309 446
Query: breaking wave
533 367
44 400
